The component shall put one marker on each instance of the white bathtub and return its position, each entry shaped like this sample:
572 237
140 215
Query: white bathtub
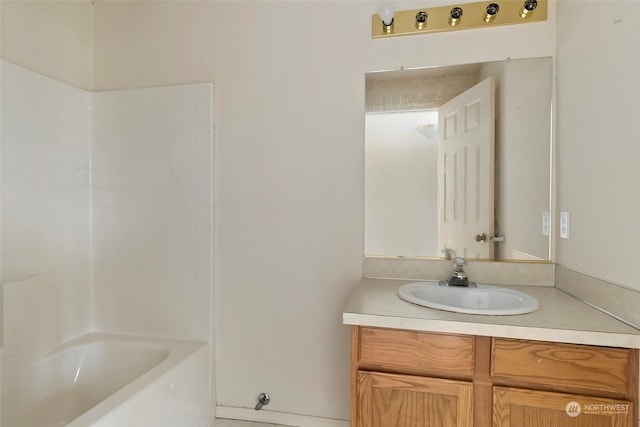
111 380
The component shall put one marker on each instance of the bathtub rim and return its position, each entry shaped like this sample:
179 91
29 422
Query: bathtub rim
179 351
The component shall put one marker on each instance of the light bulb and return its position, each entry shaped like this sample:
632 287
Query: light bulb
386 14
528 8
492 11
421 19
455 16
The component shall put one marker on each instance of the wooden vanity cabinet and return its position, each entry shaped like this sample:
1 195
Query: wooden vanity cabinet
419 379
412 379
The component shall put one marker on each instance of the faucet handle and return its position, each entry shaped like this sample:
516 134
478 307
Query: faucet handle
449 253
459 263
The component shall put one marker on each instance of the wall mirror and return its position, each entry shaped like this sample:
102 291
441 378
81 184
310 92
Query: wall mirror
458 161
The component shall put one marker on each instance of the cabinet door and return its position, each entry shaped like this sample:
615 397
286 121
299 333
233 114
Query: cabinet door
391 400
514 407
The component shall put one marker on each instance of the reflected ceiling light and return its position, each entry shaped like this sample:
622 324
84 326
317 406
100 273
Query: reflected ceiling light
386 15
491 12
455 16
429 131
421 19
528 8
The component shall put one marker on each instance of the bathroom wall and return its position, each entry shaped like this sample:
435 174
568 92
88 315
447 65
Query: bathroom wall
30 327
54 38
290 159
45 147
523 155
289 166
151 210
46 187
401 183
597 139
112 192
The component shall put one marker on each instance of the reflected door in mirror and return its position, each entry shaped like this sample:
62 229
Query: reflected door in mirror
466 172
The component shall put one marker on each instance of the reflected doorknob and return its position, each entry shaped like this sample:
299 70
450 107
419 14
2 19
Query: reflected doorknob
481 237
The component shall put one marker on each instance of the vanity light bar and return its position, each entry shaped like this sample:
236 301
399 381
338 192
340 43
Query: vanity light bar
456 17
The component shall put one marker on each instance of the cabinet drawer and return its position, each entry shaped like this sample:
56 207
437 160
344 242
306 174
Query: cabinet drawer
603 370
418 353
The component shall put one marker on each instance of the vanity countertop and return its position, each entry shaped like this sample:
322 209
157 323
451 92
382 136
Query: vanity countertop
560 318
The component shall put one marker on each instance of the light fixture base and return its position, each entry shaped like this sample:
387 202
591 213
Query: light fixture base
475 16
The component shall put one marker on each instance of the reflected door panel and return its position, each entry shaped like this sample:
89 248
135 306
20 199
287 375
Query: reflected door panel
466 171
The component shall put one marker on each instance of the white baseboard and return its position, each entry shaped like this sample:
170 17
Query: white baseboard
266 416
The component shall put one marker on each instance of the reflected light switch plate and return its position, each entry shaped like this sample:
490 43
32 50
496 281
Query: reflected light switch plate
545 223
564 225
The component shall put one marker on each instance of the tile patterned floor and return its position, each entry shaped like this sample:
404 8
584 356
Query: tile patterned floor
219 422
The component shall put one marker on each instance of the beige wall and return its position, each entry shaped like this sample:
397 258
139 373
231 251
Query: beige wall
598 138
522 157
53 38
289 159
290 95
151 43
289 168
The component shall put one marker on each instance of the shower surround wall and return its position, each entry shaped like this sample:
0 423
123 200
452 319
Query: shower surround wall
45 194
112 192
152 211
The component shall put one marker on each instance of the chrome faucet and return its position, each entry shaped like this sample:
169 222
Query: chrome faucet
458 277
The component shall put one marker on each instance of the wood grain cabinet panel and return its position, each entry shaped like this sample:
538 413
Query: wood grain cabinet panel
514 407
417 353
392 400
584 368
405 378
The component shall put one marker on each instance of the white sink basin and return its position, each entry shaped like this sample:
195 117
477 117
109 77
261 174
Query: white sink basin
485 299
